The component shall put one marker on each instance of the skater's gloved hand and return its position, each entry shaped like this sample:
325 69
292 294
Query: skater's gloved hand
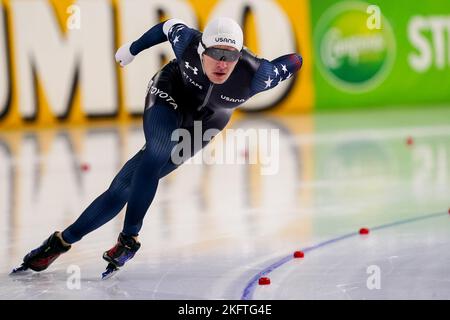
123 55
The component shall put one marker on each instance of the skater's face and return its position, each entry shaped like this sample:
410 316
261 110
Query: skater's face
219 63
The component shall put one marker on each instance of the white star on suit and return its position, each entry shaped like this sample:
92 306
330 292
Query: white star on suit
284 68
277 73
177 39
268 83
289 75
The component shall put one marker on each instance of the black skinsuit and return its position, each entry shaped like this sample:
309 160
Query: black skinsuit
178 95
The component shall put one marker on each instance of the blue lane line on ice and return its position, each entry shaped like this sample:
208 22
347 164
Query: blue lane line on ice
250 288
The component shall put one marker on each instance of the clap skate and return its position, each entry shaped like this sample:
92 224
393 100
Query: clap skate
125 249
40 258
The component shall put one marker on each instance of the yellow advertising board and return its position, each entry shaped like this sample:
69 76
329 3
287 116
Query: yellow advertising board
57 56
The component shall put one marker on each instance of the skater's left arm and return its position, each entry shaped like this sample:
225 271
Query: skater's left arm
272 73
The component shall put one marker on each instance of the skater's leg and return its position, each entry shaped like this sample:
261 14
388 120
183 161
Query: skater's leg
160 121
106 206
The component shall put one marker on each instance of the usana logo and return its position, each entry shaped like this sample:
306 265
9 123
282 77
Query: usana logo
225 40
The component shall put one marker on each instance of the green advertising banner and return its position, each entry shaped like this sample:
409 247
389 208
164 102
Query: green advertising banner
386 53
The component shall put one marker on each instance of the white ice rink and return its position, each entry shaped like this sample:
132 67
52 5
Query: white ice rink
214 229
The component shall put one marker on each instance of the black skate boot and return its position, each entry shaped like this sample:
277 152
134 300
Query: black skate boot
40 258
125 249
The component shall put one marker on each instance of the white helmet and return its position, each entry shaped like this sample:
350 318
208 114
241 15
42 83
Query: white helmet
223 31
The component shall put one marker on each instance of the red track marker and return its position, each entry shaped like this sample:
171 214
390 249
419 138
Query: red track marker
409 141
264 281
364 231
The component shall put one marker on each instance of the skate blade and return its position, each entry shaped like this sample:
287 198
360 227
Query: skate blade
110 271
19 270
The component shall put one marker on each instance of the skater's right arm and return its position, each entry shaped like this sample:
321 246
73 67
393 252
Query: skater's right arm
167 30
